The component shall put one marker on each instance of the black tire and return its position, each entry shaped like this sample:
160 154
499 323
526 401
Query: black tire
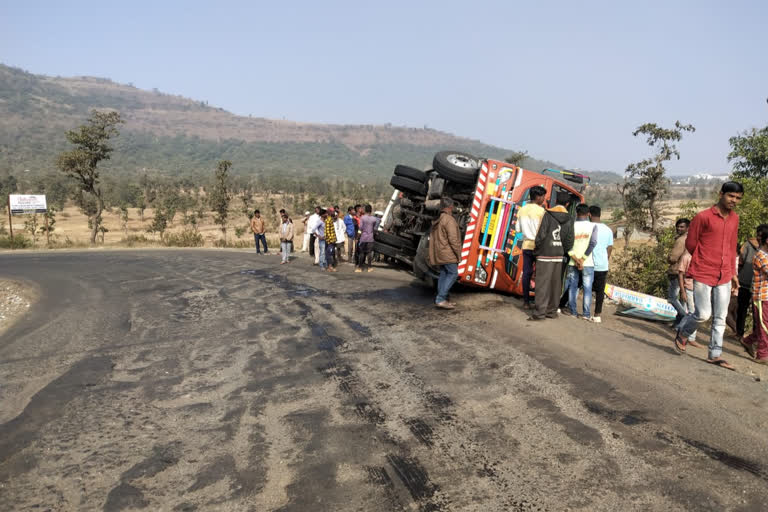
393 240
408 185
410 172
457 166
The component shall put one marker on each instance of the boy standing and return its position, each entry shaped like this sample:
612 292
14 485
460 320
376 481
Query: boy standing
350 224
368 225
553 241
581 264
330 240
286 237
528 221
257 226
341 234
673 292
319 232
601 257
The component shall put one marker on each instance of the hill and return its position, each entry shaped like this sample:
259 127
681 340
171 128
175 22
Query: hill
176 136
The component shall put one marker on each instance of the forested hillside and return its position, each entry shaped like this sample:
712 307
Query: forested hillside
179 137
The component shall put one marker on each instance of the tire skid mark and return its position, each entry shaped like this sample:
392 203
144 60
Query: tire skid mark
413 476
732 461
421 431
442 407
409 470
378 475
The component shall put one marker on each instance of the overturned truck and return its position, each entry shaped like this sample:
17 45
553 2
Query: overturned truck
488 193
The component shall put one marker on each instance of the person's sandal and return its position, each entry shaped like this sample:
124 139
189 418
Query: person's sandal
680 343
750 348
722 363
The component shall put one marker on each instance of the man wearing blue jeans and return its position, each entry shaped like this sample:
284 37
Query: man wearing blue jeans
584 241
677 251
257 226
444 250
320 237
712 240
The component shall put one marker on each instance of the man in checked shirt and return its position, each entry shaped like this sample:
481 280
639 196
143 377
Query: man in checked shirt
757 342
712 242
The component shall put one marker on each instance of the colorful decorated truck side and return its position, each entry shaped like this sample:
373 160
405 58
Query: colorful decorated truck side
488 194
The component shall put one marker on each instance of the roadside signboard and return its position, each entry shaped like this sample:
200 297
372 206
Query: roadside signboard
27 203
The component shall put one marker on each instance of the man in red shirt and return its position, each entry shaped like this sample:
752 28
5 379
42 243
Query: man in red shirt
712 242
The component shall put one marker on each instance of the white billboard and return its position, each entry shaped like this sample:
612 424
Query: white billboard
27 203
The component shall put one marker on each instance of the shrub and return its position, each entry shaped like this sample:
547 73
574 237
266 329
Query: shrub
134 240
644 268
186 238
19 241
237 244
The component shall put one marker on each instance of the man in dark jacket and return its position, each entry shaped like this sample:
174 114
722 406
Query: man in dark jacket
444 251
553 241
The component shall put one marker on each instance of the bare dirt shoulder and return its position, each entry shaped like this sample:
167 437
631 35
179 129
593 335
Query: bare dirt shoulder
16 297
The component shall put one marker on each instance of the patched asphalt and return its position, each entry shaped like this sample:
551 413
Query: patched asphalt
221 380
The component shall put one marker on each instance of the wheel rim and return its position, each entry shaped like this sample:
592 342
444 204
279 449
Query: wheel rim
462 161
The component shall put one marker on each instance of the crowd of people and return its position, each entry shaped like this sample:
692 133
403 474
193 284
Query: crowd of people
562 255
706 268
328 236
710 276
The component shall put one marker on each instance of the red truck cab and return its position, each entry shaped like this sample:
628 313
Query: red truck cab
488 194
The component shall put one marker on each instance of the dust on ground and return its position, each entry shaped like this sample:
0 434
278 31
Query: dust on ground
15 299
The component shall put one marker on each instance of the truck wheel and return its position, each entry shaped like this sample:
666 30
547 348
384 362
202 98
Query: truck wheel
408 185
410 172
393 240
457 166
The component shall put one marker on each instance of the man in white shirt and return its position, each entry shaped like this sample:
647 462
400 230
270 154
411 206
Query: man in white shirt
341 234
306 234
311 225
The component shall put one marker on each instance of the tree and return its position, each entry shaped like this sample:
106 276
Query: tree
124 218
50 215
91 142
516 158
649 175
633 215
8 185
141 204
753 209
31 225
221 195
159 223
749 151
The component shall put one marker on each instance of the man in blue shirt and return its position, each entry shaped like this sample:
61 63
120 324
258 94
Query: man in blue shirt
601 256
351 225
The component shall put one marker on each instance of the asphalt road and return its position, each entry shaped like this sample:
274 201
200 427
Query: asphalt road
215 380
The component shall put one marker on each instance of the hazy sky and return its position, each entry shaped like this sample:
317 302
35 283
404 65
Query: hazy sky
567 81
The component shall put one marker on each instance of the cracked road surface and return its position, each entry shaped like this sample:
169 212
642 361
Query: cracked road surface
219 380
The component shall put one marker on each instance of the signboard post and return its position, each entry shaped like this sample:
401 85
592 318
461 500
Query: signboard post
27 203
10 220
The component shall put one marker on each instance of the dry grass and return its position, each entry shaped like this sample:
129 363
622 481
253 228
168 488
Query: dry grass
71 230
